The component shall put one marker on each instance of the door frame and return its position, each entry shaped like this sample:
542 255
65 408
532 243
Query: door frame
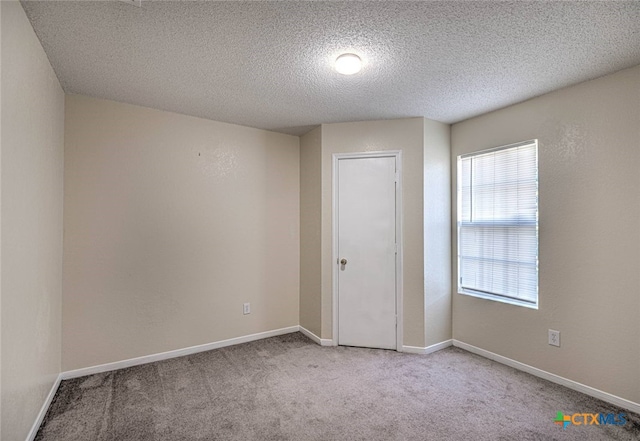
397 154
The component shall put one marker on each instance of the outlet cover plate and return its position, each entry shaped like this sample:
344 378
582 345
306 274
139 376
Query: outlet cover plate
554 338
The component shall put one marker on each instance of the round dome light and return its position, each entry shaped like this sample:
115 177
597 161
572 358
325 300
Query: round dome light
348 64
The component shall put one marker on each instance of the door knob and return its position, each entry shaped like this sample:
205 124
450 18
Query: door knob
343 262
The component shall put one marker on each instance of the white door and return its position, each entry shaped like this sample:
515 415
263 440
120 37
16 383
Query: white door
366 264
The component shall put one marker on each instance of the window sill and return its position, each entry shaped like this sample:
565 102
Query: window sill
497 299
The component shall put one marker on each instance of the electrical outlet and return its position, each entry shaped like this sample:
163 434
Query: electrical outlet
246 308
554 337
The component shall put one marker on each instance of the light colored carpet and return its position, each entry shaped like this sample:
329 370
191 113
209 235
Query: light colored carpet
288 388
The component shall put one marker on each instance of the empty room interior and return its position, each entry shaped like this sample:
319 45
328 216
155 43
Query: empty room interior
309 220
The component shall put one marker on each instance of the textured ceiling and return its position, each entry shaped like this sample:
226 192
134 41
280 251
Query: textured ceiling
269 64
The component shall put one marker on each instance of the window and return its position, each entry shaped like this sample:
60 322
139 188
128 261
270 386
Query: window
498 224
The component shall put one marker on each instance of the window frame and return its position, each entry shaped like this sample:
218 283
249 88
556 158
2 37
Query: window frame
483 294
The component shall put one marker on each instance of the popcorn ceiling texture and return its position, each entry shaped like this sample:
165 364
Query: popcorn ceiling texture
269 64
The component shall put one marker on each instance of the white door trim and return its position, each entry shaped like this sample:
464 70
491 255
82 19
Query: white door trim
334 230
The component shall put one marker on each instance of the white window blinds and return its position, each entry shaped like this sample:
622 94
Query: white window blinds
498 223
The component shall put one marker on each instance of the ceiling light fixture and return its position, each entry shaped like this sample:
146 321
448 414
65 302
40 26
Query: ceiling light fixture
348 64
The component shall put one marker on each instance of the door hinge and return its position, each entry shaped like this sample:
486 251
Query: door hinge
396 248
397 178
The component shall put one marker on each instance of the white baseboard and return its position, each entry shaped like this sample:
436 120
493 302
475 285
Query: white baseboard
43 410
315 338
175 353
587 390
428 349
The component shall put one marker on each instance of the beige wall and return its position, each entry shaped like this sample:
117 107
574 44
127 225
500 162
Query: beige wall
171 224
437 232
589 157
31 206
409 136
310 231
